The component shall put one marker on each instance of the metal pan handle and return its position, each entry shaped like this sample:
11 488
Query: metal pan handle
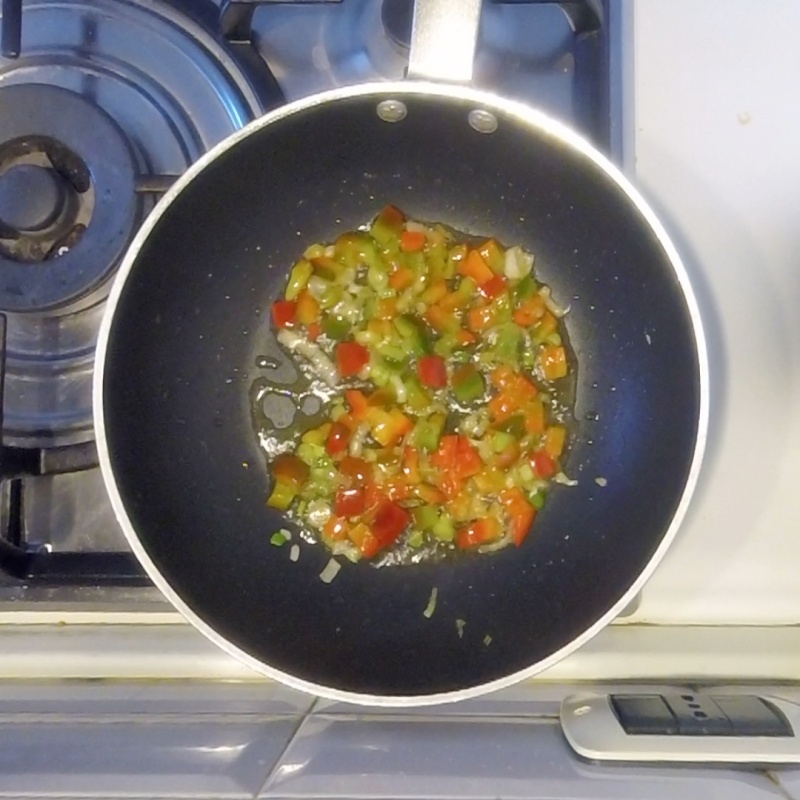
444 36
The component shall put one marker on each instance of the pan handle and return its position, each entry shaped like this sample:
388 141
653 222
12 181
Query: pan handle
444 36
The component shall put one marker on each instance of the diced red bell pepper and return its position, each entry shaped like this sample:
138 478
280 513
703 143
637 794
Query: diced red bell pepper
493 287
349 502
543 464
433 372
522 513
284 313
351 358
397 488
476 268
337 440
314 331
357 469
467 461
412 241
480 532
389 521
445 456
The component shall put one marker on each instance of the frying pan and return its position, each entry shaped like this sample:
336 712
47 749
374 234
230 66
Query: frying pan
187 326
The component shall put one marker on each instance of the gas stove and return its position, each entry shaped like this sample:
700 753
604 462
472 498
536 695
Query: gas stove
103 103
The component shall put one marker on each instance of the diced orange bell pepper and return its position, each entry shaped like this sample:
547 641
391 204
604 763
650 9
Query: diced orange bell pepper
493 255
386 308
529 311
435 292
314 331
358 403
440 320
336 528
401 278
290 469
397 488
465 338
546 325
553 359
307 308
480 532
412 241
503 405
388 427
480 318
534 417
476 268
428 494
522 513
555 438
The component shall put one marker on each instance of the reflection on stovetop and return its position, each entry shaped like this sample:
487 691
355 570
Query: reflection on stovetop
166 81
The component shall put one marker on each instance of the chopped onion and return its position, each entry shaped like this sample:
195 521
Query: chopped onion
416 227
460 623
330 572
399 388
563 480
319 361
431 607
553 307
318 513
487 640
494 546
357 441
330 251
517 263
317 286
601 481
294 552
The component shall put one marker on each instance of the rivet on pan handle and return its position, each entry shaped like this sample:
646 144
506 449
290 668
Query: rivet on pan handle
444 36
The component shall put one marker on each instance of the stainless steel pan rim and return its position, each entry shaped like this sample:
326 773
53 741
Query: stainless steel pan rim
482 101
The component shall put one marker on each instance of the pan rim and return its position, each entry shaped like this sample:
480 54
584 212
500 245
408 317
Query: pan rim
519 112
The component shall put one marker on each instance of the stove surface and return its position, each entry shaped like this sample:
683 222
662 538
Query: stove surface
173 86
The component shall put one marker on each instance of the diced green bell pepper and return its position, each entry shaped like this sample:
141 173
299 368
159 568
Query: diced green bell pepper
357 249
417 396
468 384
538 500
416 336
425 517
501 440
506 349
298 278
336 327
427 432
526 288
444 529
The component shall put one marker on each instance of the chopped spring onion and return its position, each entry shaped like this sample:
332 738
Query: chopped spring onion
431 607
279 538
330 572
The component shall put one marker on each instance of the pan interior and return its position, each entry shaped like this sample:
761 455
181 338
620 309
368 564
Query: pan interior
192 321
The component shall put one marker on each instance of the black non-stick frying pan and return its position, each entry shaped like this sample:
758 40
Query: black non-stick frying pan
188 321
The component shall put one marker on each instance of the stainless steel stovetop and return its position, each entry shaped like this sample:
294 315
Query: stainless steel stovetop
165 82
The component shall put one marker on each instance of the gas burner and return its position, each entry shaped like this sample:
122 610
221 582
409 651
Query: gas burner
58 154
128 93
